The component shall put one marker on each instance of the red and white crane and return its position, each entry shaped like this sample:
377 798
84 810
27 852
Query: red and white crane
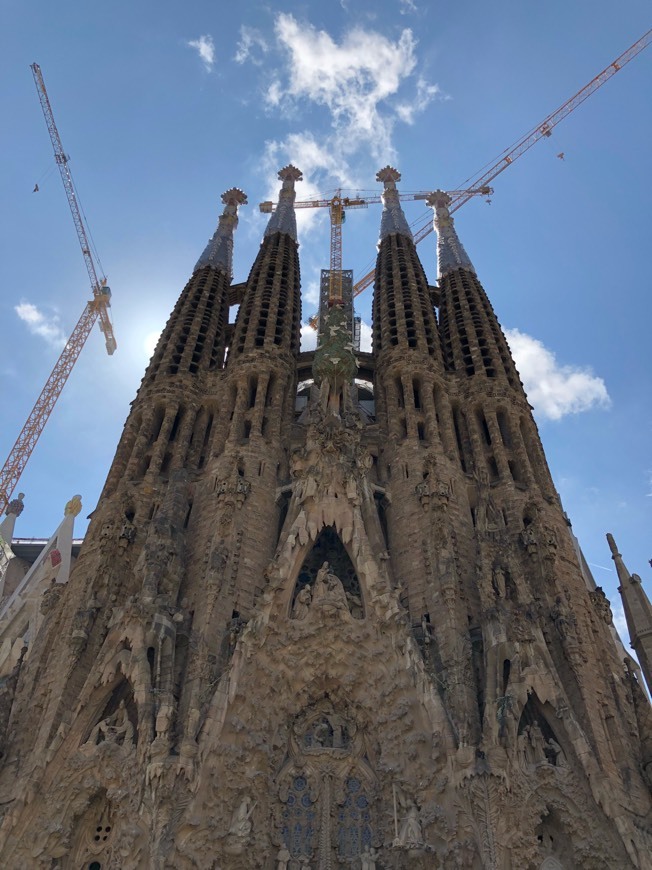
96 309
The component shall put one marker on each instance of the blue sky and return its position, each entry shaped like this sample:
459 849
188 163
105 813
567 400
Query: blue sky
162 106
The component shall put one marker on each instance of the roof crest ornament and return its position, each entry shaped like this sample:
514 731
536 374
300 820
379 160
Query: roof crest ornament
218 253
393 219
283 219
450 251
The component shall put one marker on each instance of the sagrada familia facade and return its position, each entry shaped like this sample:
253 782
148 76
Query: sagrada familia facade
329 612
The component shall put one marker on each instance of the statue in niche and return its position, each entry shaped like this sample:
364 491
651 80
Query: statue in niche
116 729
532 744
554 753
329 731
499 582
328 592
302 603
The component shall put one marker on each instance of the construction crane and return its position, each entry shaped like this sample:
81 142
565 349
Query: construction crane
478 183
96 308
337 206
541 131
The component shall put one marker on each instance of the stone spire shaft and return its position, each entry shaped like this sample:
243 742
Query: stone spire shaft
270 313
393 219
450 251
218 253
283 219
638 612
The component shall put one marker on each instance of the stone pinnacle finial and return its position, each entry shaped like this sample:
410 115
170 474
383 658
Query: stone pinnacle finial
290 173
393 220
621 570
388 176
450 251
283 219
16 506
219 250
73 507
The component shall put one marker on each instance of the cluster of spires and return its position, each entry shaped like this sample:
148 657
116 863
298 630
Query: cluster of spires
450 251
451 255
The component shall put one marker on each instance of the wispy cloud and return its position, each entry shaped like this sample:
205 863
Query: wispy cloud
251 45
407 6
353 79
554 389
425 94
45 326
363 85
205 48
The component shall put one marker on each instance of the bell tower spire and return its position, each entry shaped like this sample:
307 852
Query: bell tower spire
450 251
638 611
218 253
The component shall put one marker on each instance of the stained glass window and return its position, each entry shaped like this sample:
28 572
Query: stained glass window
299 819
353 821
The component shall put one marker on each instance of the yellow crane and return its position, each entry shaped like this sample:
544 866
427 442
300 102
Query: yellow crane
96 309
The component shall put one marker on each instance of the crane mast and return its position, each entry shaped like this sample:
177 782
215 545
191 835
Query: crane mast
95 309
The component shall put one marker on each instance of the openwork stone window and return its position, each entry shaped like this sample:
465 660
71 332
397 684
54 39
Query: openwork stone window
354 820
299 819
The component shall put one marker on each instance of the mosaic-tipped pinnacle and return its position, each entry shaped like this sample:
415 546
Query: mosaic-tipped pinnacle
234 196
388 174
290 173
438 199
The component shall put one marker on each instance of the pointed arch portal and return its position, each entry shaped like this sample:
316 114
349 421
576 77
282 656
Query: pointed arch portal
329 548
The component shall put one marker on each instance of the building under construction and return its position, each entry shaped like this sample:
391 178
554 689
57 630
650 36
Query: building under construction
350 632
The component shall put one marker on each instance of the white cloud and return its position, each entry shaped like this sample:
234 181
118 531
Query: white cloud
308 337
365 337
554 389
425 94
407 6
321 168
38 323
205 48
354 79
250 46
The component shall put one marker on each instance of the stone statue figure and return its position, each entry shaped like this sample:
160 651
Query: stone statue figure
499 583
368 858
329 592
116 728
241 819
554 753
411 833
302 603
282 858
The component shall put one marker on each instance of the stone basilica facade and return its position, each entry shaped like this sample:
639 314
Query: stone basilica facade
329 612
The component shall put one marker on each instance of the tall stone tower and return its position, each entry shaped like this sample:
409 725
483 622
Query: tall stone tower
329 633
